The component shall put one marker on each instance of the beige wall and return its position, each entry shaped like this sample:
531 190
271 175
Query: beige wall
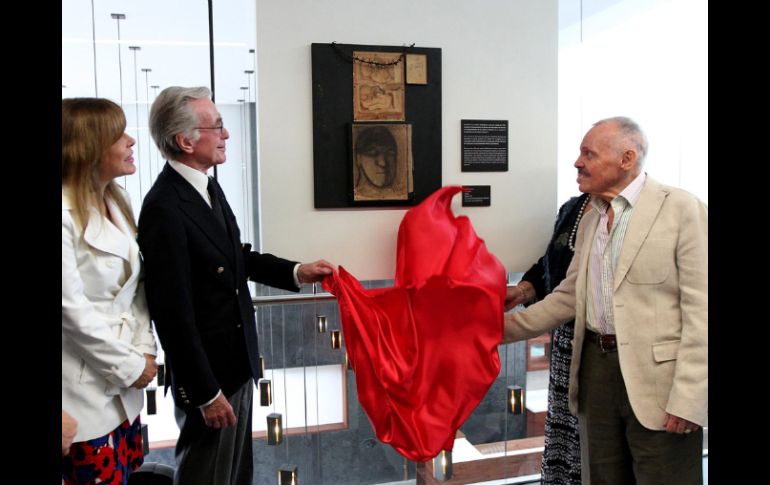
499 61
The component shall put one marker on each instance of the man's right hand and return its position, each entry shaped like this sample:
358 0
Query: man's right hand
519 294
219 414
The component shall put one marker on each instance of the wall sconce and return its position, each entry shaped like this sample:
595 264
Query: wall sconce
265 392
335 339
274 428
161 374
152 407
515 399
442 465
287 475
262 364
348 362
321 323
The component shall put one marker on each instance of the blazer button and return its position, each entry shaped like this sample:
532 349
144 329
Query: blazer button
238 326
220 270
187 401
236 291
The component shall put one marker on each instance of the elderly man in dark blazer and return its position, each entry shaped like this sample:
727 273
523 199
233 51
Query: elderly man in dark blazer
196 283
638 291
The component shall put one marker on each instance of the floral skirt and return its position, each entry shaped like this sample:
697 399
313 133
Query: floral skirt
108 459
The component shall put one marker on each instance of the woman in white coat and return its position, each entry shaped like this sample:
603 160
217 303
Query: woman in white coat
108 348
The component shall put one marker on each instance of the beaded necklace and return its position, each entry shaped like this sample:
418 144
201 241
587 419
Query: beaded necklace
571 241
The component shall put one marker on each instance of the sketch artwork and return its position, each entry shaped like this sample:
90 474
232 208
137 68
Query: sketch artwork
378 91
416 69
382 162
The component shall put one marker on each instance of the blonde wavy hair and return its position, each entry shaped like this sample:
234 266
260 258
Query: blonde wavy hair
89 127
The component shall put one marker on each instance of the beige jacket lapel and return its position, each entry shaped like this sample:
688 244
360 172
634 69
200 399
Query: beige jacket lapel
588 226
646 211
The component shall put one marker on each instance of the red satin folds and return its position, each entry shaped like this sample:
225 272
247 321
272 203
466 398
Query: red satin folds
424 352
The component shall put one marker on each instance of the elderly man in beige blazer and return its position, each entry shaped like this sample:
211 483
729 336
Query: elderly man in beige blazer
638 291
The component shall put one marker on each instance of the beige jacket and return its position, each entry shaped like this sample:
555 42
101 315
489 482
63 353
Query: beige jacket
661 306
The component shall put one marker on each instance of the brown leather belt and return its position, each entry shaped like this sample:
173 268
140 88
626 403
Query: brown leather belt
607 343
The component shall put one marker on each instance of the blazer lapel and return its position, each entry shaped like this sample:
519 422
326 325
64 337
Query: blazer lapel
201 214
646 211
591 220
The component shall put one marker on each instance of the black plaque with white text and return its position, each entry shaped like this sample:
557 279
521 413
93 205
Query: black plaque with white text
484 145
476 196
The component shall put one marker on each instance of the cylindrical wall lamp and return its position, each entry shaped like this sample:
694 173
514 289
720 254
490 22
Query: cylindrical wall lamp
265 392
262 364
442 465
287 475
274 428
335 335
515 399
152 407
321 323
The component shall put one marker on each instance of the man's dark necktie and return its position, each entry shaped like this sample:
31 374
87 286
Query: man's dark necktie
216 206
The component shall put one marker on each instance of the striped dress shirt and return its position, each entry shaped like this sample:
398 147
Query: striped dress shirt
604 256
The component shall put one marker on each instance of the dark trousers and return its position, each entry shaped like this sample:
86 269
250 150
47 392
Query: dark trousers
209 456
620 450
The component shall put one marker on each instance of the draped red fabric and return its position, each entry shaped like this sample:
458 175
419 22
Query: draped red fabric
424 351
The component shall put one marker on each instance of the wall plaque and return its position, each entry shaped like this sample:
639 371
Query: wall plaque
484 145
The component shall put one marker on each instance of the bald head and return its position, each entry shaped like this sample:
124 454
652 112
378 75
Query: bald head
628 136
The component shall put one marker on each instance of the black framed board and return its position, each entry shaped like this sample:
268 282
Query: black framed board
406 137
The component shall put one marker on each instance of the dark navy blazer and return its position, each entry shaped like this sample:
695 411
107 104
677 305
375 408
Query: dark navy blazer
195 279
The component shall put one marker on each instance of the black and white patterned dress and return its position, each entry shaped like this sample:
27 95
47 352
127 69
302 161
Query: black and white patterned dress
561 456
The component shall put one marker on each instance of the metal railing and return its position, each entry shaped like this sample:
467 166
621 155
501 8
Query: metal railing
290 299
316 296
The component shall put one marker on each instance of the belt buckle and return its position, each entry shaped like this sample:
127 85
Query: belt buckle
609 347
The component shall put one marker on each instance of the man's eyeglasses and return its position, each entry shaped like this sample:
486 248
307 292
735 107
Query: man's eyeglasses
221 128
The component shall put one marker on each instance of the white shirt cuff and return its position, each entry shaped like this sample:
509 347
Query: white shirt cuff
215 398
296 277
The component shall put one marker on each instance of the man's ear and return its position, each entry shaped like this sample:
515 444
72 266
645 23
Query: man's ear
628 161
184 143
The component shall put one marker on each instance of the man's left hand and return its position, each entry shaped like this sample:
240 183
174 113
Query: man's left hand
315 271
675 424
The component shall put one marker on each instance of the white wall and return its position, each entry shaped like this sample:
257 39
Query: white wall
666 90
499 61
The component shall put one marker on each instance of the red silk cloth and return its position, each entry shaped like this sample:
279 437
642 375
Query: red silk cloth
424 351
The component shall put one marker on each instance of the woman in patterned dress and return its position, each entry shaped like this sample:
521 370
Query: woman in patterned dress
561 456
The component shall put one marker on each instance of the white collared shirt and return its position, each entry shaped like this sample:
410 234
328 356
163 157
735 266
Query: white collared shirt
196 178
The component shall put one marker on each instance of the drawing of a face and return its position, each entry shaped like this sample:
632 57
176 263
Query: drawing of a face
376 154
